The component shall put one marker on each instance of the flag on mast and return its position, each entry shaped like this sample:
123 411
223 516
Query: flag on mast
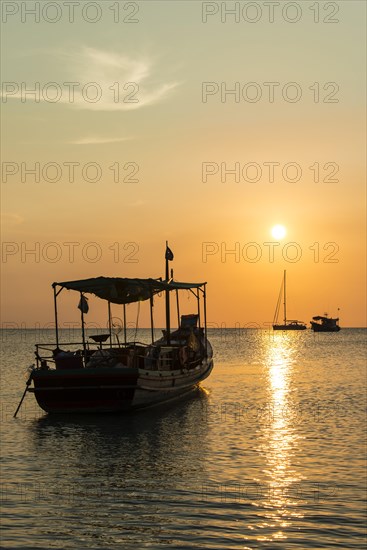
169 254
83 304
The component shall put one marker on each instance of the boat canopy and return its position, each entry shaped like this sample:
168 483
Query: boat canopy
322 318
119 290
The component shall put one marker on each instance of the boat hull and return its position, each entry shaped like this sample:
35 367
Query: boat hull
289 327
106 390
319 328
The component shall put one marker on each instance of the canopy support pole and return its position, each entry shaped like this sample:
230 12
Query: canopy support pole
198 299
178 309
205 325
125 338
109 322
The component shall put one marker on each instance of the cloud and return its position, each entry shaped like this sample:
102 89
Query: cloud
95 140
101 80
11 219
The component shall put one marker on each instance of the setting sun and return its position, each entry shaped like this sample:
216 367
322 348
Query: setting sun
278 231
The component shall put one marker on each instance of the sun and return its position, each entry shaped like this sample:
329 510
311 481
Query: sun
278 231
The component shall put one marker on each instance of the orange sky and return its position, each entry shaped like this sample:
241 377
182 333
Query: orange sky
168 140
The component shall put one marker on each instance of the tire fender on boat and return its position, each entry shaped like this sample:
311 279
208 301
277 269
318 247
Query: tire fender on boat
183 355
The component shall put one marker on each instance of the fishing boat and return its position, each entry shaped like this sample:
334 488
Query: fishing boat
287 323
100 374
324 323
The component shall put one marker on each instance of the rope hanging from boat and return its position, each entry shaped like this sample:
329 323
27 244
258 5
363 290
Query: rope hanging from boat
137 322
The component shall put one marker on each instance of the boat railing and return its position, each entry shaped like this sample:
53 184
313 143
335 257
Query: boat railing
47 353
135 354
51 347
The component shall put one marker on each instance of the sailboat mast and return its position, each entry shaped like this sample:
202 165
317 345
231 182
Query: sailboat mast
285 299
168 316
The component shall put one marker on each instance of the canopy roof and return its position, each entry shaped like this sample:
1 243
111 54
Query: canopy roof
119 290
321 318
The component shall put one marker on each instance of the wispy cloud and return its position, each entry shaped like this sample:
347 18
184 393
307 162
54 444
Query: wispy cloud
11 219
106 81
95 140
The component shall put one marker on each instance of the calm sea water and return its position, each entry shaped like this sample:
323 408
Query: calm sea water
268 454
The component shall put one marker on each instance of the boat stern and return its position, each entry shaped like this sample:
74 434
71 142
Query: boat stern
85 390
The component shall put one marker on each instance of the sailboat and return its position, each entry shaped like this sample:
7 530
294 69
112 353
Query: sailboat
287 324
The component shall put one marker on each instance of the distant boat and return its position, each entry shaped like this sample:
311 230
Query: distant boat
324 323
287 323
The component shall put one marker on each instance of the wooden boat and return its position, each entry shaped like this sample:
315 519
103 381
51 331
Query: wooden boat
287 324
324 323
106 376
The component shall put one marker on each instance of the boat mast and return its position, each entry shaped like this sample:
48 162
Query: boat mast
285 299
83 328
280 295
168 327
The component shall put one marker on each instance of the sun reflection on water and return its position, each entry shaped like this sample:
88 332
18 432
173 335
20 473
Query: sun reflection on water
280 441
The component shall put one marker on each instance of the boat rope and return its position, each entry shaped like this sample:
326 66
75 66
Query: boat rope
137 322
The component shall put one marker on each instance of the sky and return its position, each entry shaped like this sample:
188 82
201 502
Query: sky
192 123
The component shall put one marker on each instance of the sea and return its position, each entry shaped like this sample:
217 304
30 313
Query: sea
268 453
